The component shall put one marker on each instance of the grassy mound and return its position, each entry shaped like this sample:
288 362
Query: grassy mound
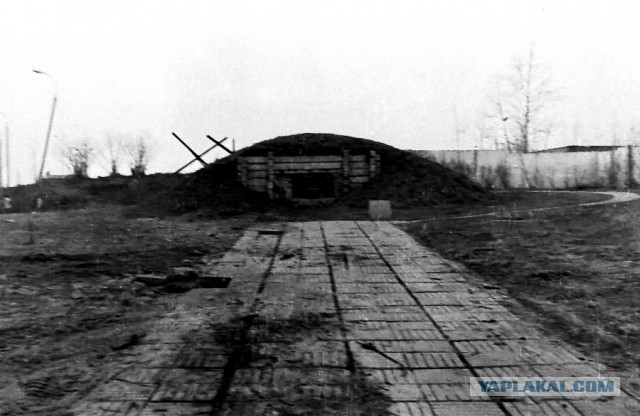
308 144
406 179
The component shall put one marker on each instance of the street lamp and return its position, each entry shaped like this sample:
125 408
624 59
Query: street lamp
53 110
6 160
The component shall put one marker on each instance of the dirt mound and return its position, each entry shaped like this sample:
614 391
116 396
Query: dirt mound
216 189
406 179
307 144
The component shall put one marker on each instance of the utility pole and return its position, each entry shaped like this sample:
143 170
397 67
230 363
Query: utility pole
6 148
1 195
6 137
53 110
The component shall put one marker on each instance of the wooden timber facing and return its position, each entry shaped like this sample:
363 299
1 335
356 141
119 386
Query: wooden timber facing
270 174
262 182
302 159
243 172
258 172
264 174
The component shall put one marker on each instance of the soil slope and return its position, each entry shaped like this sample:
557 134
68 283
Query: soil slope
406 179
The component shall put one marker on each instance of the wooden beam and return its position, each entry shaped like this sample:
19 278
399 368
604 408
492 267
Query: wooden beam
191 150
219 143
201 154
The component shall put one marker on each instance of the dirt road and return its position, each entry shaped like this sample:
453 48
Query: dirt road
339 318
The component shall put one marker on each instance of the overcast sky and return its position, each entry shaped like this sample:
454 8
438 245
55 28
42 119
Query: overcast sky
402 72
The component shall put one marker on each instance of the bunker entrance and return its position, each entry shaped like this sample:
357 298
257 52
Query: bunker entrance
313 185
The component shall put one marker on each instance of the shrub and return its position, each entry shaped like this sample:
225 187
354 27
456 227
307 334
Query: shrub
504 174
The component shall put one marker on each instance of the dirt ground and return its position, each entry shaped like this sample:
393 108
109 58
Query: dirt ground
70 306
574 271
503 203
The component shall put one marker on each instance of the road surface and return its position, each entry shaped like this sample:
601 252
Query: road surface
340 318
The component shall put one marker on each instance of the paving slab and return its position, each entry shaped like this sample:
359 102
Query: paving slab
106 408
466 409
178 409
411 408
337 318
551 408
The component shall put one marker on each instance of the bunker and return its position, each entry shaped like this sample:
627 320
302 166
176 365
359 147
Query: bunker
307 180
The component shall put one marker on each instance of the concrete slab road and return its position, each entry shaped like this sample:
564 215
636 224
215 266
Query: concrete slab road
341 318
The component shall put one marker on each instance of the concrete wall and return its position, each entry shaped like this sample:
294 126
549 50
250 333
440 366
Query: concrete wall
501 169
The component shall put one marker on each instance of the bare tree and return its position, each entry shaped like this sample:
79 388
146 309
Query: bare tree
520 109
138 153
486 130
78 155
112 152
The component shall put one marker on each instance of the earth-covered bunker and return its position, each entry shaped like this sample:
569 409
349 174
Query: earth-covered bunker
310 178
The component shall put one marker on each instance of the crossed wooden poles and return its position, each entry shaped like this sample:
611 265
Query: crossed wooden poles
198 157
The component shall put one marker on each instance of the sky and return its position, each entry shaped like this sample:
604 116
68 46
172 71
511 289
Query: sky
406 73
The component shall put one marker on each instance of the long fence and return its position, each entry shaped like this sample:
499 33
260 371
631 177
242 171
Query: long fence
501 169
